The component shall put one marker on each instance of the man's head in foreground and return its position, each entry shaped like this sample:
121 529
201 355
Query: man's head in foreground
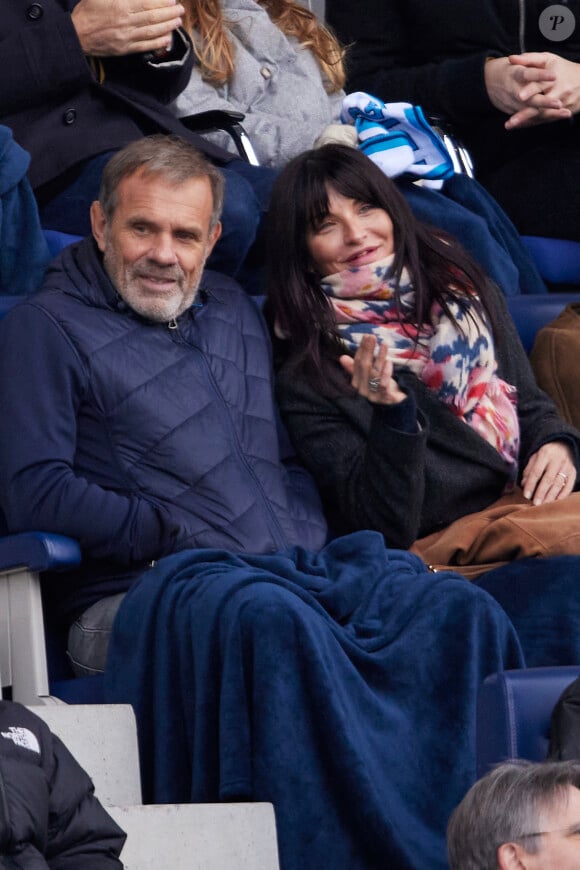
156 222
521 816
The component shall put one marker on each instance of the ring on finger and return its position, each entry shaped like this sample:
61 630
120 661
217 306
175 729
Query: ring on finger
374 384
563 476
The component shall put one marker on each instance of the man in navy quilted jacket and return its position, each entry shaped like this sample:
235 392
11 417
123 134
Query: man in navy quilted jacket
144 372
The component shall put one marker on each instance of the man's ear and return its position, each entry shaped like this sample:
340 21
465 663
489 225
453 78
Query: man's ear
213 237
511 856
98 224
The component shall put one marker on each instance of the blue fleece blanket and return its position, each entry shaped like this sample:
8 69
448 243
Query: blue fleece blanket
341 686
542 599
466 210
24 252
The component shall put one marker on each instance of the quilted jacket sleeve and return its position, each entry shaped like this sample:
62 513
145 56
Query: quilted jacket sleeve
81 833
39 488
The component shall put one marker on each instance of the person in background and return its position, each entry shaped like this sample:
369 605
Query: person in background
520 816
270 59
81 80
506 76
49 815
275 62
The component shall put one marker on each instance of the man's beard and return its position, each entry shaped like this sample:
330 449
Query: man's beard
161 308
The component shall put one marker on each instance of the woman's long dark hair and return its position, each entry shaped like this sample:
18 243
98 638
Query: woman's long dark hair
439 268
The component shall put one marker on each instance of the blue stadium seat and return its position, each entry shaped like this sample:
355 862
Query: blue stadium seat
513 713
558 260
57 241
531 312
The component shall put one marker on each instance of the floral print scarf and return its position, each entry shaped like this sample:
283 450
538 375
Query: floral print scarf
458 366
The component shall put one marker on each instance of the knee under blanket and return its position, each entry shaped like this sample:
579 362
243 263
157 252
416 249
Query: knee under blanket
339 685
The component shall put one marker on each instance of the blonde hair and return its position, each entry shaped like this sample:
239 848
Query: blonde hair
208 28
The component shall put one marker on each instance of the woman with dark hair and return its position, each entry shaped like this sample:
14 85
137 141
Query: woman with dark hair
402 379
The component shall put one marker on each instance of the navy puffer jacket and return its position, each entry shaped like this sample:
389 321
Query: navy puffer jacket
49 817
139 439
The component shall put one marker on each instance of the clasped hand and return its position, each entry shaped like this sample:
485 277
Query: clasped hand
107 28
533 88
372 374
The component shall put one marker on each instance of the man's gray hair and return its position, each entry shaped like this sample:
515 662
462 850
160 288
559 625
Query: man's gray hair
504 807
169 156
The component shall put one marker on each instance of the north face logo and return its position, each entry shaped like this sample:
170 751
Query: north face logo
22 737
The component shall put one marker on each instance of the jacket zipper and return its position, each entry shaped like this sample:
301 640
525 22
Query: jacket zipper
274 525
522 25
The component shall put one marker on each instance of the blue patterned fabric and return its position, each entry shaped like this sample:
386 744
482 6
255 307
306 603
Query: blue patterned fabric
340 685
398 138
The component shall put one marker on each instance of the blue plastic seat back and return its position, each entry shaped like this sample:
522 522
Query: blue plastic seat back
558 260
57 241
531 313
514 711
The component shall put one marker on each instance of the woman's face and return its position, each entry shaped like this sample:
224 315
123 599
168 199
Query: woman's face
352 234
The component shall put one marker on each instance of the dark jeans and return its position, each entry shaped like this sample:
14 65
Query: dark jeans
88 638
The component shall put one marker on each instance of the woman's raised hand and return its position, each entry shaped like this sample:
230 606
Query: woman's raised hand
372 373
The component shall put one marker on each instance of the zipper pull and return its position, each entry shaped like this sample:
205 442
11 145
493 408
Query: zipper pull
172 323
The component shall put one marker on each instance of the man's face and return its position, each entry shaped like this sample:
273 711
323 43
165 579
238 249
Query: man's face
560 846
157 241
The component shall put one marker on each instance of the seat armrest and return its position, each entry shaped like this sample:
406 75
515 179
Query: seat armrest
23 664
229 121
38 551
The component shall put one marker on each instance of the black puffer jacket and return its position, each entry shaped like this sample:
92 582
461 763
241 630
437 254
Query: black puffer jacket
49 816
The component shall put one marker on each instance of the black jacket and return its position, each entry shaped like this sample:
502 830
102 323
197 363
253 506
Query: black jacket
49 817
372 474
59 112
